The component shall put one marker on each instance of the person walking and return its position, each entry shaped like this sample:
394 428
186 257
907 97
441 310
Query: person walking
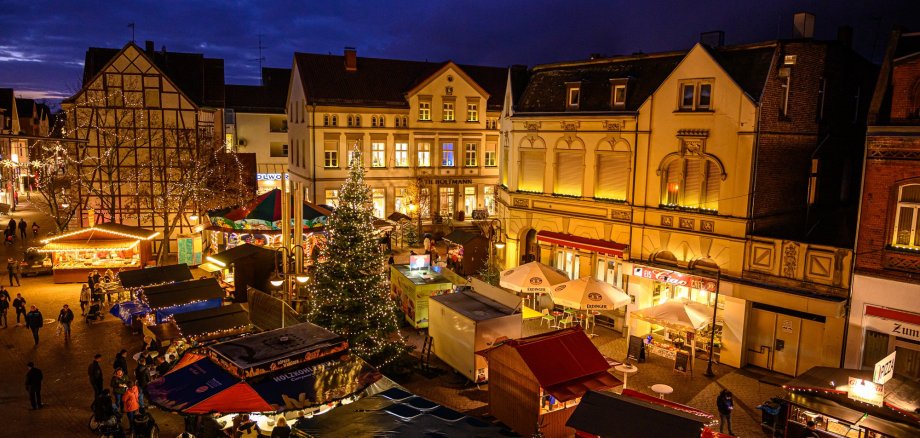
725 404
35 229
4 307
65 318
22 229
142 377
19 303
4 292
119 384
11 227
130 401
34 321
85 297
96 377
121 361
17 270
34 386
11 270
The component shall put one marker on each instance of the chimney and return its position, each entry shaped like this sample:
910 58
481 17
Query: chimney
148 47
803 25
714 39
845 36
351 59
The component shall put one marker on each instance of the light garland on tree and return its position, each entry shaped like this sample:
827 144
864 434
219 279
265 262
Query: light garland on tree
350 288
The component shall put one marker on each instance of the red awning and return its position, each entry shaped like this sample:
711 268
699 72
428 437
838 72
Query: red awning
670 404
576 388
587 244
897 315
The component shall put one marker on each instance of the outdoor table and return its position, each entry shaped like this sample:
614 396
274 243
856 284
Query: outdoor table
626 369
662 390
556 314
592 319
266 425
151 354
581 319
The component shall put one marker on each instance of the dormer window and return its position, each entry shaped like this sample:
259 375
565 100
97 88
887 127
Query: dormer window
573 96
618 93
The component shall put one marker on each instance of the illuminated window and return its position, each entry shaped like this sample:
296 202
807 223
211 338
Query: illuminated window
570 170
447 154
472 112
619 95
331 155
907 218
490 155
692 183
380 202
278 149
402 155
228 141
530 175
332 197
446 200
448 111
469 155
574 97
612 179
489 198
424 155
402 200
424 111
469 199
378 154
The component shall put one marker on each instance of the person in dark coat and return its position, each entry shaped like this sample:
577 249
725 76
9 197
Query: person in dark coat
34 321
4 307
281 430
11 227
96 376
11 270
65 318
34 386
22 229
19 303
725 404
121 361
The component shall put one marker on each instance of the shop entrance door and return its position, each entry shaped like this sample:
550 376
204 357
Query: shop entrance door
773 341
786 345
907 361
761 326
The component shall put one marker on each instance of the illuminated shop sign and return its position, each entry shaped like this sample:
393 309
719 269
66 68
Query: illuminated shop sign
865 391
270 177
675 278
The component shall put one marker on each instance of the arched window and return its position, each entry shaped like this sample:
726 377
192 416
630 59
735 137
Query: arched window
325 119
533 165
374 121
350 120
569 174
907 218
613 167
358 121
335 120
691 181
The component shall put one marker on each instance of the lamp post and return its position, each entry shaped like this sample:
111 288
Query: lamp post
491 228
715 307
289 257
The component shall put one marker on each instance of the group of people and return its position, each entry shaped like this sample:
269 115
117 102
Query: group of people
12 226
125 395
32 319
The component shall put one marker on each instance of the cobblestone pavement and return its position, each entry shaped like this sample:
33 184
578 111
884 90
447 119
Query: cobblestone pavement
66 392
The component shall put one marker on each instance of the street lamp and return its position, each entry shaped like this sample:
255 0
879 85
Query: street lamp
709 266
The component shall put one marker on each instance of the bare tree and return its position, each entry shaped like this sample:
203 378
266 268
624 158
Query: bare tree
55 173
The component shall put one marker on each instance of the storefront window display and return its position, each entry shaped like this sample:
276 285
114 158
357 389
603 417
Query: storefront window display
569 260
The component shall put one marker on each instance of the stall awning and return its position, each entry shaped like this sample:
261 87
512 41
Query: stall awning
585 243
217 320
246 250
96 245
608 414
107 231
156 275
174 294
460 237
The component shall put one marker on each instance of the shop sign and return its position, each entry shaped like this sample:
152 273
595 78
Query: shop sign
893 327
865 391
675 278
447 181
787 326
270 177
884 369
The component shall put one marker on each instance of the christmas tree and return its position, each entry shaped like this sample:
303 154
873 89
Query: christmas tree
350 288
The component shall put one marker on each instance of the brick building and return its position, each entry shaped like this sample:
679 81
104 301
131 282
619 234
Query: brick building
674 175
884 309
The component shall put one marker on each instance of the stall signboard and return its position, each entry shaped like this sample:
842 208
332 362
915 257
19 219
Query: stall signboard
310 356
635 348
675 278
865 391
189 250
884 369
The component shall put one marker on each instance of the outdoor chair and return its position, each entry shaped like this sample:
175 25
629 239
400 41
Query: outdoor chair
566 322
547 317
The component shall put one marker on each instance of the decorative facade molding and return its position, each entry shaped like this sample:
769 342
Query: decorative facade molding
701 133
790 259
623 215
667 221
707 226
685 223
570 126
531 126
614 125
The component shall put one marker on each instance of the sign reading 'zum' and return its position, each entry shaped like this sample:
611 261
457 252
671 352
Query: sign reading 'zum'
884 369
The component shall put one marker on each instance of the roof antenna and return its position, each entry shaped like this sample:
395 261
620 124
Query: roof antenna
261 59
131 25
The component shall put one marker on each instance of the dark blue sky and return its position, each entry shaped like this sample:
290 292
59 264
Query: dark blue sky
42 43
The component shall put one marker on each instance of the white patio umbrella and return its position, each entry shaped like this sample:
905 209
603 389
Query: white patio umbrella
589 293
680 313
532 278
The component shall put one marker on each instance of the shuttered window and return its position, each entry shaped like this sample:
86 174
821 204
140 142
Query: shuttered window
713 185
673 185
570 173
693 184
612 176
532 166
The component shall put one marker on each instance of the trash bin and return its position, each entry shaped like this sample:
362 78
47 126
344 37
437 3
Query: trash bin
772 417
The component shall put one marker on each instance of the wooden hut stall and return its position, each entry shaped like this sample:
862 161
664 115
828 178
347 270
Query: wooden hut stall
413 287
243 266
187 296
540 380
154 275
467 253
207 325
633 414
101 247
471 320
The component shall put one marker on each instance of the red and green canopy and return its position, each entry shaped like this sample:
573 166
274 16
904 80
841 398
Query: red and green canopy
264 213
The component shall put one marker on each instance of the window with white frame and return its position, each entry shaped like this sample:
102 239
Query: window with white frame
373 121
472 112
325 119
490 155
380 202
402 200
573 96
907 218
331 154
446 200
447 155
335 120
696 95
469 199
424 111
332 197
569 261
378 154
619 95
469 155
401 158
489 198
448 111
350 120
609 270
691 182
358 121
424 154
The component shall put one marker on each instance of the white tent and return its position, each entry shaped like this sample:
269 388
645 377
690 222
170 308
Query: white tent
533 278
589 293
680 314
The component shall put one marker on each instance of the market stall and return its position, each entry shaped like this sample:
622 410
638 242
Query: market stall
259 223
848 403
154 275
186 296
633 414
413 284
104 246
245 265
211 324
471 320
467 253
676 327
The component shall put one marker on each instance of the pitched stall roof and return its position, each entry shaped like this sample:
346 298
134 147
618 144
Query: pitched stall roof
200 78
545 93
202 322
381 82
565 362
154 275
270 97
473 305
174 294
614 415
108 231
241 252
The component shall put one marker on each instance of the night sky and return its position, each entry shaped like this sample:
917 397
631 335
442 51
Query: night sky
42 43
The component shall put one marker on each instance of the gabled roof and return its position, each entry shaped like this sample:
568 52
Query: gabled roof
747 64
908 45
219 319
565 362
105 231
614 415
381 82
25 107
199 78
6 100
154 275
270 97
183 292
